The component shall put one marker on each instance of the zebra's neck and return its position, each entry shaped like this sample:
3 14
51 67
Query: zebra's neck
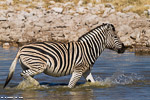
93 43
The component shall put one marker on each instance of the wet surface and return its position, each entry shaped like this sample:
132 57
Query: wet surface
119 77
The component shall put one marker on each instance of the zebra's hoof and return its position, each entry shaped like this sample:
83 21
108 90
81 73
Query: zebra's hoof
89 80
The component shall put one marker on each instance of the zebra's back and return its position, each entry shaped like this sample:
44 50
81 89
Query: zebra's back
57 59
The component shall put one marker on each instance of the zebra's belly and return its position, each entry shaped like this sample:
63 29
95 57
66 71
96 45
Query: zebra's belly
55 73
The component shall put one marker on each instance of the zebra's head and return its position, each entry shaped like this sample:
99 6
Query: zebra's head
112 40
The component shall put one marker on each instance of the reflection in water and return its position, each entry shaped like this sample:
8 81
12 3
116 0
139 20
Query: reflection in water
82 95
30 94
58 93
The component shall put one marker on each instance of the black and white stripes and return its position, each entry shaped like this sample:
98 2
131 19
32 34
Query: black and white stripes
60 59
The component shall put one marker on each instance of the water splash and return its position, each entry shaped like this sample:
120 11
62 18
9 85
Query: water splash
119 78
29 83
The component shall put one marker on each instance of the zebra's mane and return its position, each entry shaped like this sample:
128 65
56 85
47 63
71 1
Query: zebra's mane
104 24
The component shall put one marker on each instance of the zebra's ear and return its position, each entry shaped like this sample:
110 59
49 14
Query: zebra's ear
111 27
104 24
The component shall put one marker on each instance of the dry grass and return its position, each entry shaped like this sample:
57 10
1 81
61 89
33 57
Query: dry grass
139 5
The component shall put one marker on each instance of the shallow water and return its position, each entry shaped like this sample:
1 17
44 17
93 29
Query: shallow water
119 77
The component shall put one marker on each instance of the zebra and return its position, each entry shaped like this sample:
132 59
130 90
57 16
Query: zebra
61 59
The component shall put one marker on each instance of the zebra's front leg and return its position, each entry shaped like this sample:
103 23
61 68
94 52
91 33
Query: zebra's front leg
75 77
88 76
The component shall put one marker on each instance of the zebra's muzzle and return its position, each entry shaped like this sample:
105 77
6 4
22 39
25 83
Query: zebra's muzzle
122 50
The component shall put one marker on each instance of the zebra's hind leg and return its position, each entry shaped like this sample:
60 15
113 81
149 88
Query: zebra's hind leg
33 70
29 80
28 76
75 77
88 76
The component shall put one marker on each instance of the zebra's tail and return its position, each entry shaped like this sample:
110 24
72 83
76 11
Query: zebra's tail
11 70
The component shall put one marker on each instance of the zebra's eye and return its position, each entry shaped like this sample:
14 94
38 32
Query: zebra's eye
115 36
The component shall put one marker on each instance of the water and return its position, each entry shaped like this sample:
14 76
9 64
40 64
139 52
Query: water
118 77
